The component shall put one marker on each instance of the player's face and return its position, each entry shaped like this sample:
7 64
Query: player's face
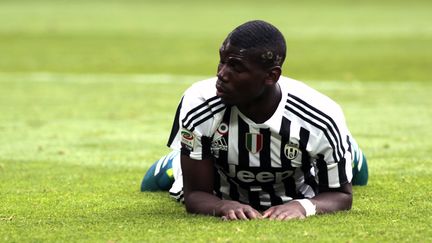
241 79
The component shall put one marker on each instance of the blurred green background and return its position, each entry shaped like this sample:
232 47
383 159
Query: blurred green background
327 40
88 90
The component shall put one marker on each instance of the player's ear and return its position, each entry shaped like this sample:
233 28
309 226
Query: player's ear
273 75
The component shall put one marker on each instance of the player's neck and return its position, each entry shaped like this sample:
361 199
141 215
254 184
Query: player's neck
262 108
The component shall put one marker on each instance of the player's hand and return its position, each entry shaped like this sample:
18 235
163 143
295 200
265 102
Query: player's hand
291 210
232 210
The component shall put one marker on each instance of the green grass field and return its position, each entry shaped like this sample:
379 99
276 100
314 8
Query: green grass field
88 90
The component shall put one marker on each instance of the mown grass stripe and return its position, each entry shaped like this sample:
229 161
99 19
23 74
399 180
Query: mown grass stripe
96 77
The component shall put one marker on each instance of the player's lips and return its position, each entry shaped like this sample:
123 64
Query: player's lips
220 89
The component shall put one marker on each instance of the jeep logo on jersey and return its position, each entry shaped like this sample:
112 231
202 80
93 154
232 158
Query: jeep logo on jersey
254 142
261 177
187 139
291 151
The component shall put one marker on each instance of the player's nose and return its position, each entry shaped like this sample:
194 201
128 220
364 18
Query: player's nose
222 73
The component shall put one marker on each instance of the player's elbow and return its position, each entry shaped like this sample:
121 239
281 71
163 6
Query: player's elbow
190 208
347 196
189 205
348 202
192 204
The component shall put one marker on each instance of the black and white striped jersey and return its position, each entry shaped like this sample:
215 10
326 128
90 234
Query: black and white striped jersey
304 146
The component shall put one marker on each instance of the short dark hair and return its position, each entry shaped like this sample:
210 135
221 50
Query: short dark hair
262 39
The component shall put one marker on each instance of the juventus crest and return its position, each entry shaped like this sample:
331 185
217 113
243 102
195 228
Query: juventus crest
291 151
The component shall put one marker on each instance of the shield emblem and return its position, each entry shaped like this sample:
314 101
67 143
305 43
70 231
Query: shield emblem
254 142
291 151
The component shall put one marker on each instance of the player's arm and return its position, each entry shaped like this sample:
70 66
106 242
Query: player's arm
198 192
335 192
327 201
331 200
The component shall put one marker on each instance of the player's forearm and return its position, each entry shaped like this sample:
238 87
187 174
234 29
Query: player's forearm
202 203
328 202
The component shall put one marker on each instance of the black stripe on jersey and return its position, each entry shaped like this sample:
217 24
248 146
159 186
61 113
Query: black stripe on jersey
285 135
317 126
254 200
243 156
191 123
213 112
290 187
274 199
342 165
332 127
176 194
342 172
306 163
185 151
265 158
216 183
349 145
322 171
175 127
233 192
206 148
222 161
203 105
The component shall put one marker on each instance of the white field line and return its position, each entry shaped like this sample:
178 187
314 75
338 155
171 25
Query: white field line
88 78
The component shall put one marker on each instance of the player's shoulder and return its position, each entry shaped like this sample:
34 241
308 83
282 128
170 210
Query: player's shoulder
204 89
200 99
303 96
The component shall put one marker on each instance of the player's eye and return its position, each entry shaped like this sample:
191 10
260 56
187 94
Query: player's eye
236 66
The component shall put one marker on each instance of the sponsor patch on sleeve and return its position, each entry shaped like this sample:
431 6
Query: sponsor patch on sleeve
187 139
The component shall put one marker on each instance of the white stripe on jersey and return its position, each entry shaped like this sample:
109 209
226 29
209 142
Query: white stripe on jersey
224 187
305 189
233 139
294 137
275 149
280 192
254 158
264 199
333 175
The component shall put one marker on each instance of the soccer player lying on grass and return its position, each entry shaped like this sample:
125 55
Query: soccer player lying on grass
251 143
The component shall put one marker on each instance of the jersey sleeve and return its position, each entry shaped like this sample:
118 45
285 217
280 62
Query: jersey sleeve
194 124
333 158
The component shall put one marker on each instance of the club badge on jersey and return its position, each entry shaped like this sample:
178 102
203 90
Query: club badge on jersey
291 151
187 139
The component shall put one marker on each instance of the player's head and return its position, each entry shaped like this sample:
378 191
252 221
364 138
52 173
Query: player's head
250 64
262 41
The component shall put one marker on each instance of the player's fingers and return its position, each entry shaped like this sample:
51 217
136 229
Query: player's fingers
275 213
231 215
282 216
253 214
273 216
268 212
241 214
294 216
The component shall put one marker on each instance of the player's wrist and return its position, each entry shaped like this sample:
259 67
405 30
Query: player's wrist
308 206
